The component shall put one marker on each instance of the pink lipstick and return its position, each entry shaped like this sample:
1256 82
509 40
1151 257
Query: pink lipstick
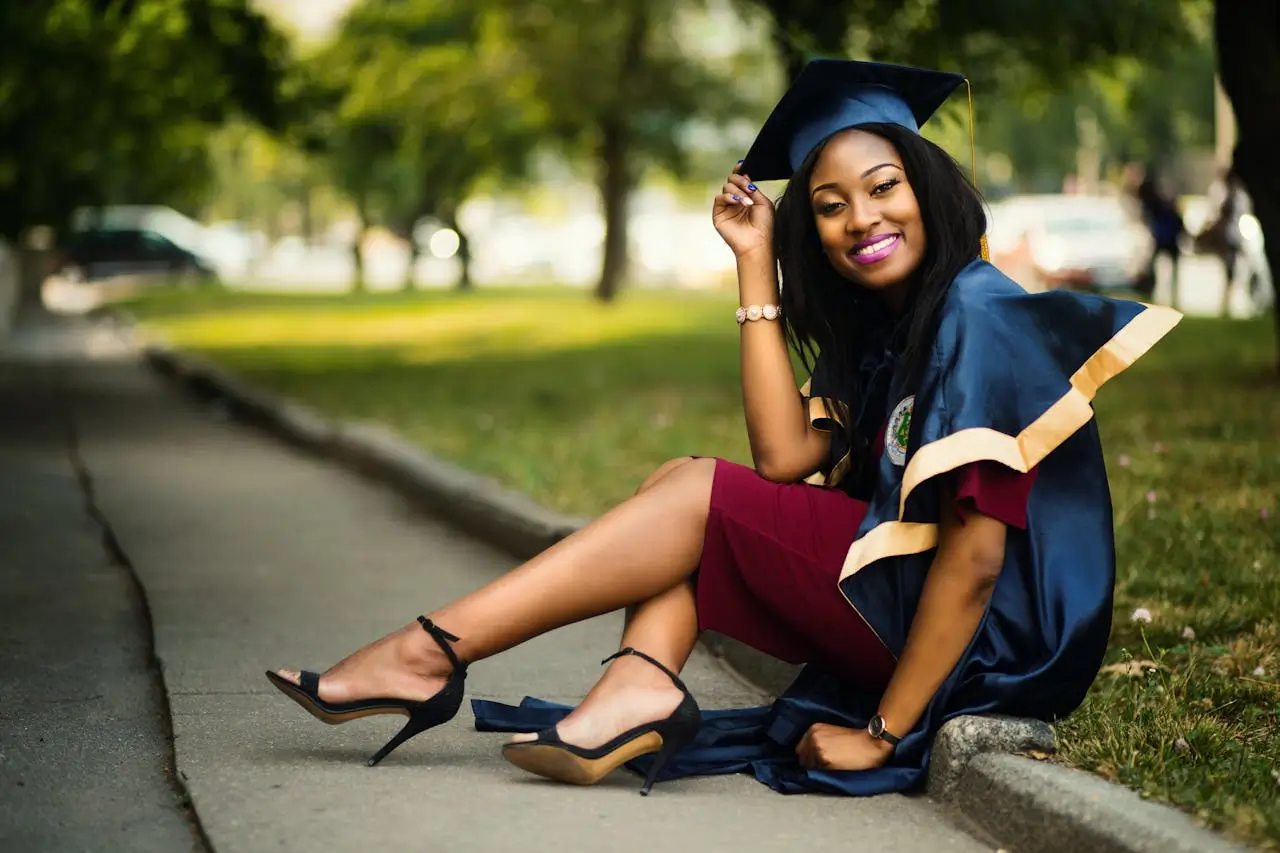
874 249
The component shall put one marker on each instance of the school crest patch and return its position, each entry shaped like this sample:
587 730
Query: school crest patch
898 431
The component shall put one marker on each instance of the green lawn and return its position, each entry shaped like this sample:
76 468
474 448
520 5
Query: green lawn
574 403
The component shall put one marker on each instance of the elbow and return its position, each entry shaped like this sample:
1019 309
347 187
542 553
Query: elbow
985 567
776 472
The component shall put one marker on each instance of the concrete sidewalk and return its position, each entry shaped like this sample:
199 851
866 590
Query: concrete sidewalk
85 752
252 556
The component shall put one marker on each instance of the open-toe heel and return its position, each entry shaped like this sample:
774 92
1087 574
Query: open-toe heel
429 713
550 757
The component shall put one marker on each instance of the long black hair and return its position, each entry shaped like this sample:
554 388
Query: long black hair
825 312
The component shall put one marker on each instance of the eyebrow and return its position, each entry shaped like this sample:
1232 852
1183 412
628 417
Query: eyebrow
832 185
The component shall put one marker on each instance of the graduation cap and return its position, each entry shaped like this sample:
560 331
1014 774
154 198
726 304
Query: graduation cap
831 95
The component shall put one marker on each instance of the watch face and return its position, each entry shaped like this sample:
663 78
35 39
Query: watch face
875 727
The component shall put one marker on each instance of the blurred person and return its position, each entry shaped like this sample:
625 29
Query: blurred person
927 523
1223 237
1161 216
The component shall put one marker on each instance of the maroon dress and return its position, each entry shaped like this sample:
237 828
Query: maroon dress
772 555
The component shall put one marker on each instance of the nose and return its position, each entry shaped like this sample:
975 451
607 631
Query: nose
861 217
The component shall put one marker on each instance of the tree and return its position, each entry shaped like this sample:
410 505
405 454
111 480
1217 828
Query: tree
618 88
1247 33
105 101
438 81
994 41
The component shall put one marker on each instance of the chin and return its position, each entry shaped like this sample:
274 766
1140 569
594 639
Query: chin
879 277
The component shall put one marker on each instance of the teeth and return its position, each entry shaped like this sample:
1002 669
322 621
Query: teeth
876 246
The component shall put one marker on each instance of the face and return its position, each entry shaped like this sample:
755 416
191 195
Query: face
868 219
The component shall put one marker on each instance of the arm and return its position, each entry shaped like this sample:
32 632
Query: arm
955 595
784 447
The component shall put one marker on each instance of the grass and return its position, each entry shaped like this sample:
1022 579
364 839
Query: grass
574 403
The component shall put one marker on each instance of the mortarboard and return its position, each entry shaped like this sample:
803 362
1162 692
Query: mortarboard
831 95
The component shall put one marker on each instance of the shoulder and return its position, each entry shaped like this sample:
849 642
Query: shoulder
982 304
977 285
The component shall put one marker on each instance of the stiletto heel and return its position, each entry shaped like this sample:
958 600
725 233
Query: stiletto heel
669 748
427 714
550 757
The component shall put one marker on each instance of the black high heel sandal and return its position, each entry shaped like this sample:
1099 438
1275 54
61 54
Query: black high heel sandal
429 713
550 757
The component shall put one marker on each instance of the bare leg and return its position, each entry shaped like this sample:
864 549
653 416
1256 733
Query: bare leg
633 691
640 549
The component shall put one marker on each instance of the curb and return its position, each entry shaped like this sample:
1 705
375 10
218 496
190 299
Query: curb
978 767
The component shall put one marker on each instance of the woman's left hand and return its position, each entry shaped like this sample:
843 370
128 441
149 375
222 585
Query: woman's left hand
827 747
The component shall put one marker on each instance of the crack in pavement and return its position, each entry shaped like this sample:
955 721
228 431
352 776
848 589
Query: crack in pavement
138 598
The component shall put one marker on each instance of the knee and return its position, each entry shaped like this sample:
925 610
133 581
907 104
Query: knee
663 470
694 479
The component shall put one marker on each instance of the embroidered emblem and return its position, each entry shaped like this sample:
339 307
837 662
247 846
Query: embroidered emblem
898 431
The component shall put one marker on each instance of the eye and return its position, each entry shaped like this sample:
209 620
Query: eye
884 186
828 207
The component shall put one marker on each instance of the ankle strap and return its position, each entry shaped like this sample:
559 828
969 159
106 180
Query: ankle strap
443 638
630 651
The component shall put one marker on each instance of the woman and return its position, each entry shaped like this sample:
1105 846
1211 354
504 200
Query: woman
957 558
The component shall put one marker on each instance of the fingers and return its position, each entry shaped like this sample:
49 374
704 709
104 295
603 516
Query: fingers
806 752
727 199
743 192
736 195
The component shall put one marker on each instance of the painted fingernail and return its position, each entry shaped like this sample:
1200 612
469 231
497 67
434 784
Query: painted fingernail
737 198
751 187
740 162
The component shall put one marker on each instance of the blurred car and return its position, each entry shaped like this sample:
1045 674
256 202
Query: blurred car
1066 241
105 253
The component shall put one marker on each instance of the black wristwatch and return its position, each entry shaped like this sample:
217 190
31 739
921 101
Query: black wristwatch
875 728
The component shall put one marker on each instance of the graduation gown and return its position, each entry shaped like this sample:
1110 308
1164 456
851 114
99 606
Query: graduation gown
1010 379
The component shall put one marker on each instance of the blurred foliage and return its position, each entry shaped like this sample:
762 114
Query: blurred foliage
995 42
619 87
110 100
417 103
427 99
1141 70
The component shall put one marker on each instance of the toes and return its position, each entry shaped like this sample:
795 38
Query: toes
290 675
525 737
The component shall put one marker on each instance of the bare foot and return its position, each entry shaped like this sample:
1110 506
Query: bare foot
632 692
406 664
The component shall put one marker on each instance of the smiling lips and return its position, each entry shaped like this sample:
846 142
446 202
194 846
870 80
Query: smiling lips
874 249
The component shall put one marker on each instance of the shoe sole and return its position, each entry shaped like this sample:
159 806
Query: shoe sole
556 762
297 695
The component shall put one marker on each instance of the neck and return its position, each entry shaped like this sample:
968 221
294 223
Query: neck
894 298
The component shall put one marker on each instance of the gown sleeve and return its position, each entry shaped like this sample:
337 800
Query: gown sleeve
994 490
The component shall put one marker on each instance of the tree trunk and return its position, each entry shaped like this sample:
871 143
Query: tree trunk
615 192
616 173
33 268
414 253
450 220
357 247
1248 41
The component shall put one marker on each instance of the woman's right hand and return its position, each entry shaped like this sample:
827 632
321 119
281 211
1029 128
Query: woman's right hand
743 216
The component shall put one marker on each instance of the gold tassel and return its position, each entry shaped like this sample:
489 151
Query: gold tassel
983 249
